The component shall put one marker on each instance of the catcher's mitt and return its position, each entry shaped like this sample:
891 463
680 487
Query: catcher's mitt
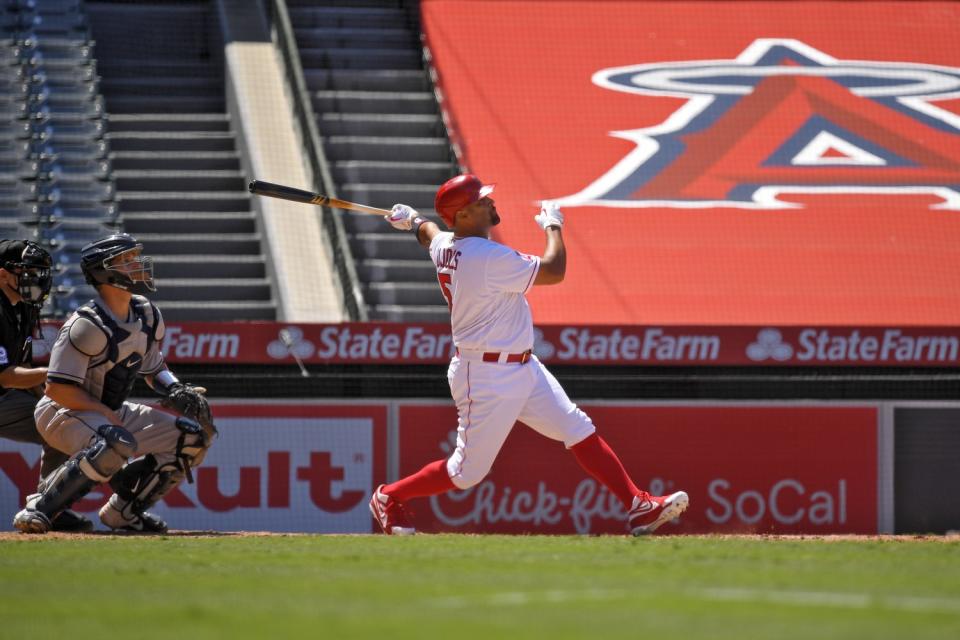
190 402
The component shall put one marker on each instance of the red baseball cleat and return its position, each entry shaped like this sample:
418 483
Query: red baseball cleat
390 514
649 512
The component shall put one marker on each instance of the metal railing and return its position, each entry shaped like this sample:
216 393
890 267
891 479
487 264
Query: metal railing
334 233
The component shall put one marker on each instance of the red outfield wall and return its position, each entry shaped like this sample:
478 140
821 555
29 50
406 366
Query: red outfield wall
746 469
287 466
311 466
719 162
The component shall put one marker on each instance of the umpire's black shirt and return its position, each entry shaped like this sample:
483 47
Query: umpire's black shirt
16 347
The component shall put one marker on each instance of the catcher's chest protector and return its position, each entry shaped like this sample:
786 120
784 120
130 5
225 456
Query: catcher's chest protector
112 372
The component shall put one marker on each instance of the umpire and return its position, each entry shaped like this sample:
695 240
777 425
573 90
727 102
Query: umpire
25 281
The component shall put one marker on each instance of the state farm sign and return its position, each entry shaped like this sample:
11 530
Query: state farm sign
415 343
182 343
763 469
843 346
651 344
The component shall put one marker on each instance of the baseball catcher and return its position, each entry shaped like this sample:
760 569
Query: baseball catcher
142 452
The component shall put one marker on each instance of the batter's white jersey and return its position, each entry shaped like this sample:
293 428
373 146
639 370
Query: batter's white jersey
484 283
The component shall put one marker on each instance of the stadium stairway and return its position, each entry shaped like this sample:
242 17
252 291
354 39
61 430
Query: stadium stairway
176 165
384 138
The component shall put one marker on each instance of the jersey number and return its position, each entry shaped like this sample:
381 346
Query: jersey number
446 288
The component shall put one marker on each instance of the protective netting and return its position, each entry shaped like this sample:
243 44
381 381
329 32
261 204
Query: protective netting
725 111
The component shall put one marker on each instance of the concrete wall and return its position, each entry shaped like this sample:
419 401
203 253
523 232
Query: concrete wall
258 100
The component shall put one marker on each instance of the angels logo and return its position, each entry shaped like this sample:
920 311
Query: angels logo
783 118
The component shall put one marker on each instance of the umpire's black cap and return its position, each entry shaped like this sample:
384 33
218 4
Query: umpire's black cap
23 253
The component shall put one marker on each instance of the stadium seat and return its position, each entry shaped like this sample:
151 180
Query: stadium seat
174 158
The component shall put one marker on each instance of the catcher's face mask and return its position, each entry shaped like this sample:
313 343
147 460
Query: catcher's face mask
131 271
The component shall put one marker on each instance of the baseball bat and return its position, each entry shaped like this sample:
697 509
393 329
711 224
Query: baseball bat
284 192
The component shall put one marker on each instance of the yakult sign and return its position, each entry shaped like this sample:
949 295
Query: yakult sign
304 467
762 469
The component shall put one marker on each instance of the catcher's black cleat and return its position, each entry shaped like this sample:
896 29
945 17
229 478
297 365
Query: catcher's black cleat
141 523
145 523
71 522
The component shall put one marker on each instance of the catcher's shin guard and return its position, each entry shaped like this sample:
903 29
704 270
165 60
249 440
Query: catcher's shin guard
76 477
192 445
66 485
137 487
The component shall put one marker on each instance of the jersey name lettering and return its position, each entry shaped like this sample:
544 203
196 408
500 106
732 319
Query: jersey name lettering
448 259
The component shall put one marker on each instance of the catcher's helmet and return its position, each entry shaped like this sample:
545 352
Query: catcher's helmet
96 259
457 193
31 264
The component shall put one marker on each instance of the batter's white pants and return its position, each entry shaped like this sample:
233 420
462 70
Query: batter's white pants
491 397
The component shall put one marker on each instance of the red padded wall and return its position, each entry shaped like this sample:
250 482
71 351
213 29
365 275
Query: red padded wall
516 81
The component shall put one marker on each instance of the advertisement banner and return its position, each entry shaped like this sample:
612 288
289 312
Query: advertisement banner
771 163
605 345
747 469
274 467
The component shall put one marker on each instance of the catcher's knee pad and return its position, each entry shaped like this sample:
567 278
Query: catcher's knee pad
104 457
141 484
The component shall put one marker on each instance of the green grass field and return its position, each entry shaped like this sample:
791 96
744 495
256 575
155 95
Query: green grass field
454 586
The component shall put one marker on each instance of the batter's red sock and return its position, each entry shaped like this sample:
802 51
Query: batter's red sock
598 459
429 481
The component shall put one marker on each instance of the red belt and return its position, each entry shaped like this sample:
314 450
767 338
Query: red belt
511 358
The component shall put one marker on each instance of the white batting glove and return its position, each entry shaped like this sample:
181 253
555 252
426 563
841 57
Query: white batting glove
549 216
401 217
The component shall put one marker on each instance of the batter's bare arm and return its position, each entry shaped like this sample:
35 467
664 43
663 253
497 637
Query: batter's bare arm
426 232
553 264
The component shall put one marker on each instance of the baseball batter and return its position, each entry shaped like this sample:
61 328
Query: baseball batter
99 352
494 378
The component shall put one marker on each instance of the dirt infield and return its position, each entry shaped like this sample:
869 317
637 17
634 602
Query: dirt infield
7 536
13 536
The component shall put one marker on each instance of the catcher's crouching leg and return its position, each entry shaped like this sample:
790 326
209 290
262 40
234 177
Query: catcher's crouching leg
75 478
143 482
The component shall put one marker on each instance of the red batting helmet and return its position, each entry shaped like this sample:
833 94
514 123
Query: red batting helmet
457 193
